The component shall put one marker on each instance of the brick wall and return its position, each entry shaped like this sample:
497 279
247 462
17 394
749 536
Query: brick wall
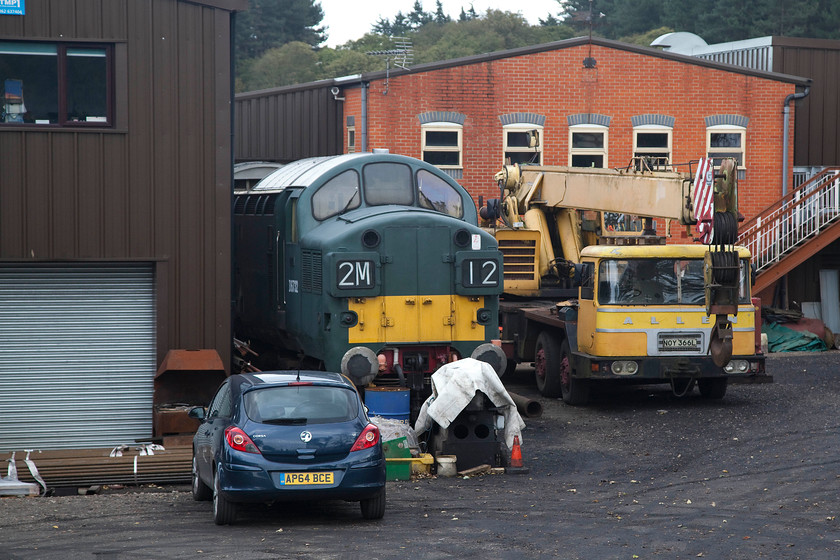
555 84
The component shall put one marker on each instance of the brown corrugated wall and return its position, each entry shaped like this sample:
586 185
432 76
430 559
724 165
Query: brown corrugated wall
154 188
286 124
817 140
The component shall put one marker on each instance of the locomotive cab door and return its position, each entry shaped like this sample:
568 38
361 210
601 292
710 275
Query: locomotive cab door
417 276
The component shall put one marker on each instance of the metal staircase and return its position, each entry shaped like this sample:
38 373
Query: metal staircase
797 226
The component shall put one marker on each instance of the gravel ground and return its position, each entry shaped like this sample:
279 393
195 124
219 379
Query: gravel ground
639 474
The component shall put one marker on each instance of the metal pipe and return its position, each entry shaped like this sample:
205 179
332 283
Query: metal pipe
365 86
526 407
786 113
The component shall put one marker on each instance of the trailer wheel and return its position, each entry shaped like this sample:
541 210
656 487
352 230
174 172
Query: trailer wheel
574 391
713 388
547 365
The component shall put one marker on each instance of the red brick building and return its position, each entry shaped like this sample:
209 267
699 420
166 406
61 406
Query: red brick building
595 103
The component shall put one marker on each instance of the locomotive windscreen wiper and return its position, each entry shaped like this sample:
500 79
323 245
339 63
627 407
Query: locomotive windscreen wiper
350 201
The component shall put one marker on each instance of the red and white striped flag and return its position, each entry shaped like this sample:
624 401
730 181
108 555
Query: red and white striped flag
704 207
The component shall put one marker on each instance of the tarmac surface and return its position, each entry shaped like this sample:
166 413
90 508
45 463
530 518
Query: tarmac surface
638 474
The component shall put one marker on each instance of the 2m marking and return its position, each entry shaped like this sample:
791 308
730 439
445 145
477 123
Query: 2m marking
355 274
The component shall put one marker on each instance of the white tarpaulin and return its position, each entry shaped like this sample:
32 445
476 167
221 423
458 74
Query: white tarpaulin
455 385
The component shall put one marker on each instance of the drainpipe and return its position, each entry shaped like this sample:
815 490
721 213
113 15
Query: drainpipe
365 86
786 113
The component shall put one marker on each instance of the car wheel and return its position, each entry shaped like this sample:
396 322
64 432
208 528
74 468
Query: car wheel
714 388
547 364
224 511
200 491
573 390
374 508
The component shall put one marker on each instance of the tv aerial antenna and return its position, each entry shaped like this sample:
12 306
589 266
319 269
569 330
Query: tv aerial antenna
402 55
590 20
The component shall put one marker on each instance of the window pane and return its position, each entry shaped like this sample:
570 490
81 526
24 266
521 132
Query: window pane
87 85
587 140
388 183
318 405
437 194
725 140
518 139
442 158
29 82
587 160
616 221
339 194
442 138
651 139
646 281
717 157
523 157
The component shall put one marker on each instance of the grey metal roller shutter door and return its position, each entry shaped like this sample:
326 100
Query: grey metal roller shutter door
77 355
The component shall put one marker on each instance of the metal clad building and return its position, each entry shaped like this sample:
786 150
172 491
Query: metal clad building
817 141
115 209
288 123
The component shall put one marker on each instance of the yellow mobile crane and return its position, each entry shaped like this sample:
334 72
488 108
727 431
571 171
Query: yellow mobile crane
593 295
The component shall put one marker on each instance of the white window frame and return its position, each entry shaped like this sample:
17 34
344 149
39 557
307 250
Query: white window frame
589 128
727 129
522 127
443 127
657 129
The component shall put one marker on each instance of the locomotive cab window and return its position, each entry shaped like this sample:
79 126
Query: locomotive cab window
437 194
388 183
338 195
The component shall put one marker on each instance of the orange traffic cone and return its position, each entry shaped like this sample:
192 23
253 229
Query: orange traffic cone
516 465
516 454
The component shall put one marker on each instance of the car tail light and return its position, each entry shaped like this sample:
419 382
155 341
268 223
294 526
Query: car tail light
239 440
368 438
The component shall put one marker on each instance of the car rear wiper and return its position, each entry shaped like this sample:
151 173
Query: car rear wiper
299 420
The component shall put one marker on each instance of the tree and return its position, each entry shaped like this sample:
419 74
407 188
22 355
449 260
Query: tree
579 14
398 28
272 23
417 18
439 16
468 15
293 63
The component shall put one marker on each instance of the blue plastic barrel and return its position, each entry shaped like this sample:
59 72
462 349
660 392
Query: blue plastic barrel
392 403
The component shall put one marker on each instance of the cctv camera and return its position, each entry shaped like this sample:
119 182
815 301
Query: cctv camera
334 90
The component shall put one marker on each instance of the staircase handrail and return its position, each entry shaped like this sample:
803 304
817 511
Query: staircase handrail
775 230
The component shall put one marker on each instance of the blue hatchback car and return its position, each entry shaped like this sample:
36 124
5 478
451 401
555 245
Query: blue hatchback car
286 436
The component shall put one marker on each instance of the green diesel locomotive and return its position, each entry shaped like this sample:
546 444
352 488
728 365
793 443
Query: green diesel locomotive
370 264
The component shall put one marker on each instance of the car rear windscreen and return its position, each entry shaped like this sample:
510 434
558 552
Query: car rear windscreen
301 404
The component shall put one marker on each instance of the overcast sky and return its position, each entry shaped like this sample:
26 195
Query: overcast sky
348 19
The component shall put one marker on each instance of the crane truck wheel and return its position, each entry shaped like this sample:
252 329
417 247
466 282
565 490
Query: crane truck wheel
574 391
713 388
547 355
